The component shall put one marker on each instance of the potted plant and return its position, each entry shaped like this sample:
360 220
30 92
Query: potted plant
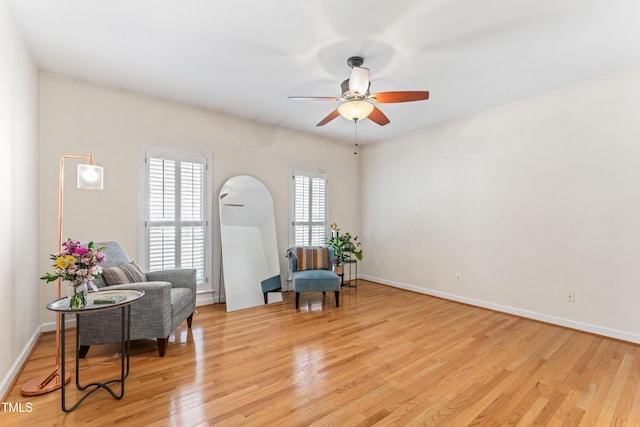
342 246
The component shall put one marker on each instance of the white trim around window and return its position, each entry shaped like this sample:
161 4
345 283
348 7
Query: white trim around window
176 211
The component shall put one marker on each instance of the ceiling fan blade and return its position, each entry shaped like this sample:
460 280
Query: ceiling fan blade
378 116
335 113
359 80
401 96
312 98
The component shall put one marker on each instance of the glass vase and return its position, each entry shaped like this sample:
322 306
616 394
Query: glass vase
77 297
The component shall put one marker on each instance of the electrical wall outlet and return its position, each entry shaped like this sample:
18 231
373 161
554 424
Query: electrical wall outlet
571 296
458 278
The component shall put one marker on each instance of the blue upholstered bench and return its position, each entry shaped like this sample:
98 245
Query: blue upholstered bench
308 279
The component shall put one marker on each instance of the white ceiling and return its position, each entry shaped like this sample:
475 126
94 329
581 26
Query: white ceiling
244 58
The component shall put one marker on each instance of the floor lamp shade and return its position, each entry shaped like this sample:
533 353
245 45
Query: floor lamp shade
90 177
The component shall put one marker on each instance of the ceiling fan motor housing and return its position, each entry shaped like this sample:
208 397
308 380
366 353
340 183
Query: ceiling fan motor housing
355 61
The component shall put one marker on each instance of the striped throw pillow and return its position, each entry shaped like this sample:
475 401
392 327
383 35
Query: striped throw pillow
123 273
313 259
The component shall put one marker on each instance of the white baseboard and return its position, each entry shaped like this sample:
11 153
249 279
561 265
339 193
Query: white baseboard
22 358
19 362
205 299
560 321
70 322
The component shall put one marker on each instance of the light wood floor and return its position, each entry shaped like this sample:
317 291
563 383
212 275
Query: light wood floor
385 357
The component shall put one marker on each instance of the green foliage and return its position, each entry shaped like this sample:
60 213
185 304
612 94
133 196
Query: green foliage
343 245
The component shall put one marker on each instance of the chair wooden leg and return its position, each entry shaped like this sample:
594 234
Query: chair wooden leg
189 320
82 352
297 299
162 346
265 297
337 298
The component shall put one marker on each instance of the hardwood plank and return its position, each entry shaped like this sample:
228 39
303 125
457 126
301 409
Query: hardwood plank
385 357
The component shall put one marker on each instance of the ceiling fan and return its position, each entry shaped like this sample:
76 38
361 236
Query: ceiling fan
357 102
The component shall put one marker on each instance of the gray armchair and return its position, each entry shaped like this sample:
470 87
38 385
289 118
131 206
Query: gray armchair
170 298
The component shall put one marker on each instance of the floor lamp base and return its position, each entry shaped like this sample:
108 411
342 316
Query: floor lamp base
35 386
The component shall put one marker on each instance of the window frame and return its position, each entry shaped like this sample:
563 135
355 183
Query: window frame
176 154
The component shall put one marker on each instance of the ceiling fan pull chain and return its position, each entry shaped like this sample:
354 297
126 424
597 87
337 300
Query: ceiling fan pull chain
355 148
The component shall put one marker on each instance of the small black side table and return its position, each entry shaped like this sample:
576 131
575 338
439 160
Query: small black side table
123 299
348 284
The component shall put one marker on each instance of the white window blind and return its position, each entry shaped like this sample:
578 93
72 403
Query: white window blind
175 225
309 208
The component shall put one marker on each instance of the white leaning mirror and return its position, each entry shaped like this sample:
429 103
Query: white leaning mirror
249 247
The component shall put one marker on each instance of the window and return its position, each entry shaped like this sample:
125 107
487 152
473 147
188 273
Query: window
176 208
308 208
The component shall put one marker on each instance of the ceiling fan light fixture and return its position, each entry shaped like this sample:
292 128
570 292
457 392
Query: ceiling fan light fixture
355 110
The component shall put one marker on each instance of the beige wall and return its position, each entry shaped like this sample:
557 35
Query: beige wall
77 118
527 202
19 284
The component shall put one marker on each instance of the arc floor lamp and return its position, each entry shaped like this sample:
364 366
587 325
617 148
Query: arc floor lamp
90 177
